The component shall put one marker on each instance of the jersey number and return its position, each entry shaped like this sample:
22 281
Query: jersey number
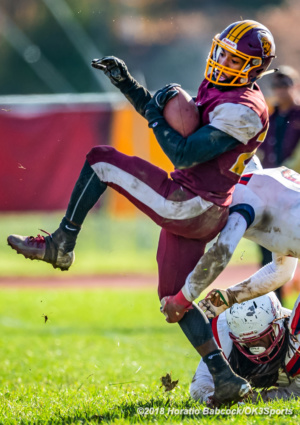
239 165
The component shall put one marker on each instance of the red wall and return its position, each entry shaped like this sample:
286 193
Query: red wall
43 153
43 148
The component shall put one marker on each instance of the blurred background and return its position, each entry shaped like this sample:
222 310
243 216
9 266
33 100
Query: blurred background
54 107
47 45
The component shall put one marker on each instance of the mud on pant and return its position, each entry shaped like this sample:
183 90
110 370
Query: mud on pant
188 221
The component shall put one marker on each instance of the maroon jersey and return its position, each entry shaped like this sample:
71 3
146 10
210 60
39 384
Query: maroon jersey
242 113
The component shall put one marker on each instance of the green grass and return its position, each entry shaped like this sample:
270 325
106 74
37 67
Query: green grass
98 359
105 245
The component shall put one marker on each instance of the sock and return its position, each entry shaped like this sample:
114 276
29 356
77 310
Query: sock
196 327
86 193
69 228
218 367
65 237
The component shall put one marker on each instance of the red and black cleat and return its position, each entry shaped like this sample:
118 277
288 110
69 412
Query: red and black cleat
54 249
31 247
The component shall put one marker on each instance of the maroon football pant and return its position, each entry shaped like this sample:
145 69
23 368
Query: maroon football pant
188 221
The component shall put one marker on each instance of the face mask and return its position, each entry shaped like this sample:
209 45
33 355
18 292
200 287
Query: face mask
257 350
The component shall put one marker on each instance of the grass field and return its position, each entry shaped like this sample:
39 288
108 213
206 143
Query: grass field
98 359
105 245
100 355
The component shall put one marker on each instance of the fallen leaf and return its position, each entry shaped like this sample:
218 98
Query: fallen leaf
166 381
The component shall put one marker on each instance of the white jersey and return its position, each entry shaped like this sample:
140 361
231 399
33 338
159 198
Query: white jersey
274 195
202 385
265 209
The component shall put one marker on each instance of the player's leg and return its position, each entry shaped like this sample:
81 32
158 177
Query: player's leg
146 186
141 181
58 247
176 257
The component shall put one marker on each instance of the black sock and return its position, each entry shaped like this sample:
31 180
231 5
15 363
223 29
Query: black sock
86 193
69 228
65 237
196 327
215 361
217 365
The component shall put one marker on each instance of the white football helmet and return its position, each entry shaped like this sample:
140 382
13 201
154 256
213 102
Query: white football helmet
254 319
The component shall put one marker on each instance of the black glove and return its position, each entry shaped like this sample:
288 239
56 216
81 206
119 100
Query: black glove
156 105
115 69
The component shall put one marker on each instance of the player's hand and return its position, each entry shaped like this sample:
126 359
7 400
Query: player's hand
215 302
162 96
155 107
174 307
114 68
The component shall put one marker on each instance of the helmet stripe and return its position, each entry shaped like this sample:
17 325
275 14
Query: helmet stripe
239 30
247 29
238 27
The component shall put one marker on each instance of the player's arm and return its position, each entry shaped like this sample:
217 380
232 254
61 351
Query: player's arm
116 70
266 279
214 261
211 264
230 125
184 152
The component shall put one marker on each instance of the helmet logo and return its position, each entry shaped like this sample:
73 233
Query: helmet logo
266 44
229 43
243 334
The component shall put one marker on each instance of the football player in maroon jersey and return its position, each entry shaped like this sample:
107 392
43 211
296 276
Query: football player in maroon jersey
192 205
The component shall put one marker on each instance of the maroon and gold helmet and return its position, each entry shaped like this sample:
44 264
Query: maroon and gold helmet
248 40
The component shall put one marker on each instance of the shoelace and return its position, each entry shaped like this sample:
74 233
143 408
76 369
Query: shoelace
39 238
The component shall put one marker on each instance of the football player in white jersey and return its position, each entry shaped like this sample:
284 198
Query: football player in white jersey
265 209
261 340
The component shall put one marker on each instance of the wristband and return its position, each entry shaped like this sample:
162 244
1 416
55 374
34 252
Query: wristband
181 300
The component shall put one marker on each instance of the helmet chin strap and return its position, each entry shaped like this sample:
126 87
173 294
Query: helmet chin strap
271 71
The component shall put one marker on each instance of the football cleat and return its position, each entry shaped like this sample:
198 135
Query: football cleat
56 248
230 391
